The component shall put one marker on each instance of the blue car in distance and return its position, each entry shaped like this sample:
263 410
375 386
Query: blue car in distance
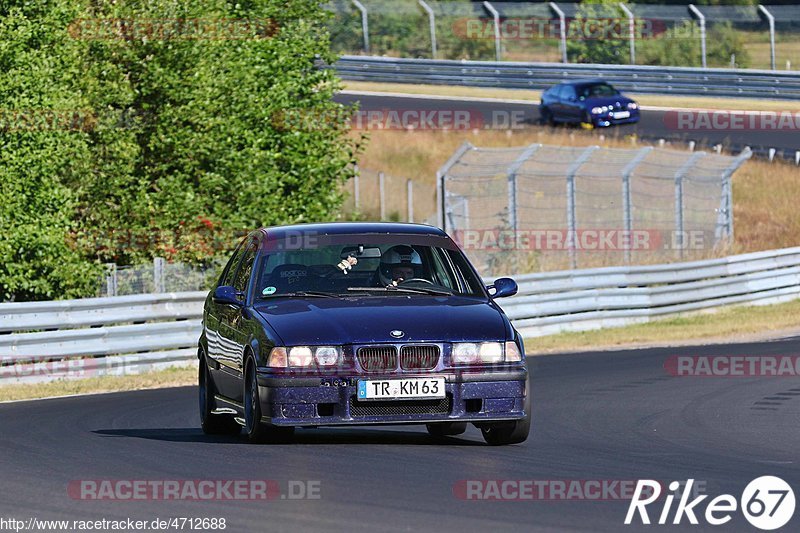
593 103
359 324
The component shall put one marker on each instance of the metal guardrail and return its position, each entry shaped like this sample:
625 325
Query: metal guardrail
129 341
513 75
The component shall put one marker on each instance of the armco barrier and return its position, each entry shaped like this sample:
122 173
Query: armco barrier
512 75
133 333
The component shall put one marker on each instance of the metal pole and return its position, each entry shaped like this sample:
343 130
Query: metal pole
497 47
356 191
627 208
572 223
158 274
632 31
702 20
382 194
725 218
410 200
364 24
111 279
679 175
511 176
432 22
563 30
771 21
441 176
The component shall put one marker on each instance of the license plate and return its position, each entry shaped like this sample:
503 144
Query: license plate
621 114
401 389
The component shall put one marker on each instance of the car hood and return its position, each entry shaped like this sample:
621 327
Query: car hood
598 101
365 320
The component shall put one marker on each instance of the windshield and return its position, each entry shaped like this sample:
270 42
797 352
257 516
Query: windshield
600 89
353 264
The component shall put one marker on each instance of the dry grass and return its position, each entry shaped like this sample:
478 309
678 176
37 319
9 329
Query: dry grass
765 194
733 324
171 377
740 104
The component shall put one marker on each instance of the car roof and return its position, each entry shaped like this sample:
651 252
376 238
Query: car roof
577 83
350 228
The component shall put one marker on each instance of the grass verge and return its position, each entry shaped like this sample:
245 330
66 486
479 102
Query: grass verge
654 100
171 377
730 324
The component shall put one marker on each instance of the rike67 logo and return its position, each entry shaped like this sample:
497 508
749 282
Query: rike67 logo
767 503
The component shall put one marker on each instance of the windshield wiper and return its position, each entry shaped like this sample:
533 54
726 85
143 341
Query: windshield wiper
413 290
300 294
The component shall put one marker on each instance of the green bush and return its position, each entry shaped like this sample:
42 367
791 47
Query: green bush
181 151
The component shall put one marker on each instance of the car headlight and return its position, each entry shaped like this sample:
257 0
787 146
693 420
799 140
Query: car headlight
597 110
303 356
633 105
472 353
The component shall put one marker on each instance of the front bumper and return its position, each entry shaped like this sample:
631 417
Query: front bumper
324 401
601 121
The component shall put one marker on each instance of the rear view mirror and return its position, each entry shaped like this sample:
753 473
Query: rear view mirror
361 252
503 287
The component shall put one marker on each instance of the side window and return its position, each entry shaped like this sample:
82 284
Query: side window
568 91
558 91
230 268
246 268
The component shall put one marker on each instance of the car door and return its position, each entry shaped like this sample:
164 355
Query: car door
214 310
233 334
571 105
556 105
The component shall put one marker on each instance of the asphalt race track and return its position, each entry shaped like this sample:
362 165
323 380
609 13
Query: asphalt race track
597 416
653 125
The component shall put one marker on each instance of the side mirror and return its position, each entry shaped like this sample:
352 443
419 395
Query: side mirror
503 287
225 294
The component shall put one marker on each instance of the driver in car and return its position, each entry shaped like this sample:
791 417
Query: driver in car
399 263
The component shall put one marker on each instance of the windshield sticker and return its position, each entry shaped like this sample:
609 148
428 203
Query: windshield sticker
268 290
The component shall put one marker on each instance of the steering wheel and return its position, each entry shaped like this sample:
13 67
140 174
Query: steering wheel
409 280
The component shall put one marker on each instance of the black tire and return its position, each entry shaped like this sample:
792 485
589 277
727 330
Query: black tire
587 123
212 424
445 429
514 432
546 117
257 431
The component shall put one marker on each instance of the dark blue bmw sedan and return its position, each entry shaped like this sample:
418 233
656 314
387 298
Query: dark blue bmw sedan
591 102
359 323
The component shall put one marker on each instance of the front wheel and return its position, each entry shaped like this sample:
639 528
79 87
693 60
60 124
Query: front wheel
257 431
513 432
212 424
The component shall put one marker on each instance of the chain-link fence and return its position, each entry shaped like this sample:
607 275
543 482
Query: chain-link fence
375 195
160 276
542 207
755 36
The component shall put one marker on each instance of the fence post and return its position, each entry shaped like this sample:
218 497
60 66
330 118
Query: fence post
410 199
496 16
356 191
631 31
771 21
572 223
702 19
627 211
511 176
364 24
725 218
432 22
679 175
562 31
382 194
441 176
158 274
111 279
